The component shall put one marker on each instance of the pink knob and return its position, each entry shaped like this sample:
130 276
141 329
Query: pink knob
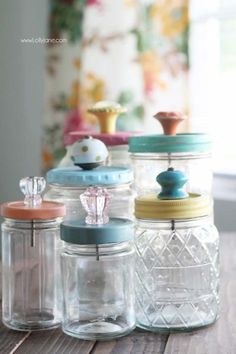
170 121
96 201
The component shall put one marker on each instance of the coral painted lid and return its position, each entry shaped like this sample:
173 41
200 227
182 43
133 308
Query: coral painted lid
32 208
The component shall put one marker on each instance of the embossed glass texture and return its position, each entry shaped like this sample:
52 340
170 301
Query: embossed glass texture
98 287
32 296
177 274
197 166
122 203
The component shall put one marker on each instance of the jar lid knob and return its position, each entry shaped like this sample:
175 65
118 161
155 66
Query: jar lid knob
89 153
172 182
32 188
96 201
107 113
170 121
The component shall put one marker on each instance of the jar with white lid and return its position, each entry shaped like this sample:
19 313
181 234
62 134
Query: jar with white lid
106 113
98 272
190 153
177 259
31 288
68 183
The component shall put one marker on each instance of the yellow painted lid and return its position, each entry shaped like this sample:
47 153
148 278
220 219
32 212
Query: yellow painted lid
152 207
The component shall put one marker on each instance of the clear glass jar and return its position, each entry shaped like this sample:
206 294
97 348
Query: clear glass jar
122 205
196 165
98 290
177 274
31 289
119 156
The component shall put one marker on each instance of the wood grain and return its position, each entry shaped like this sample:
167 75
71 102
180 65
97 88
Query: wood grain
220 338
9 340
53 342
138 342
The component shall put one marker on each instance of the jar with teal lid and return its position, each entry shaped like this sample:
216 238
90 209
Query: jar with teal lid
190 153
177 258
106 113
98 272
68 183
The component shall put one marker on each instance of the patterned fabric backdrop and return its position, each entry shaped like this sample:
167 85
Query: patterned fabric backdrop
134 52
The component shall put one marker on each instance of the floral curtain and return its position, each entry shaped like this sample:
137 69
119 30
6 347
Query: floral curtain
134 52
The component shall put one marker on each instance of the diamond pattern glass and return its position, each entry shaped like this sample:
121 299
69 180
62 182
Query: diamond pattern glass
177 275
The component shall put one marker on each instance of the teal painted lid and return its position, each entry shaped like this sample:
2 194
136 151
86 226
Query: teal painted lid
189 142
79 232
103 175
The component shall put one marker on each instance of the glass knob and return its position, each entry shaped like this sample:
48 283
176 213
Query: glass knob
96 201
32 188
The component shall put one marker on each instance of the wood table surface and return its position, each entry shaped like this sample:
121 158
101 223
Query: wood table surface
219 338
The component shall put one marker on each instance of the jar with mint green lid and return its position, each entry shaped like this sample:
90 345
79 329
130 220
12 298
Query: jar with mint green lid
67 184
190 153
177 258
98 271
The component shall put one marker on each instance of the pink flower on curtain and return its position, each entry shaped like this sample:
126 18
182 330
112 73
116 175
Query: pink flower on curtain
93 2
74 122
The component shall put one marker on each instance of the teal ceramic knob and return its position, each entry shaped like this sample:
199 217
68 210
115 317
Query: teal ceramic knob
172 182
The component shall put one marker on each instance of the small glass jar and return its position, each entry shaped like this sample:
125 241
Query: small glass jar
31 288
189 153
98 275
177 261
67 184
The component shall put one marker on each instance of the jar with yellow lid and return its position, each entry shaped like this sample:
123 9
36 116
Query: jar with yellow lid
177 258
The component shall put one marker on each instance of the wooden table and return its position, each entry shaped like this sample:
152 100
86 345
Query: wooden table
217 339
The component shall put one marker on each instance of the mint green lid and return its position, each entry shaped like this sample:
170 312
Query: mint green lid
115 231
189 142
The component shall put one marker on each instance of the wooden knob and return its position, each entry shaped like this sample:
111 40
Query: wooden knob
170 121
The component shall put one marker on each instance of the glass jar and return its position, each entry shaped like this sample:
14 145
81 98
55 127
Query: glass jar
98 272
98 294
189 153
177 258
177 274
67 184
31 281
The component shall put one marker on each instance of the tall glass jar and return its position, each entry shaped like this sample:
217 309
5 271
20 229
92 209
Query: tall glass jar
177 262
67 184
31 288
98 273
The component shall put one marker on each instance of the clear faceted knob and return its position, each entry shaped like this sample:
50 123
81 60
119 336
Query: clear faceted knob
32 188
96 201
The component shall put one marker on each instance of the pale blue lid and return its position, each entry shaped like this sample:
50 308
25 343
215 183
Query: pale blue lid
103 175
192 142
115 231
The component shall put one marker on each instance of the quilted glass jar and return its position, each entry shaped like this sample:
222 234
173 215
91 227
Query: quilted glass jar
177 263
98 274
31 288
